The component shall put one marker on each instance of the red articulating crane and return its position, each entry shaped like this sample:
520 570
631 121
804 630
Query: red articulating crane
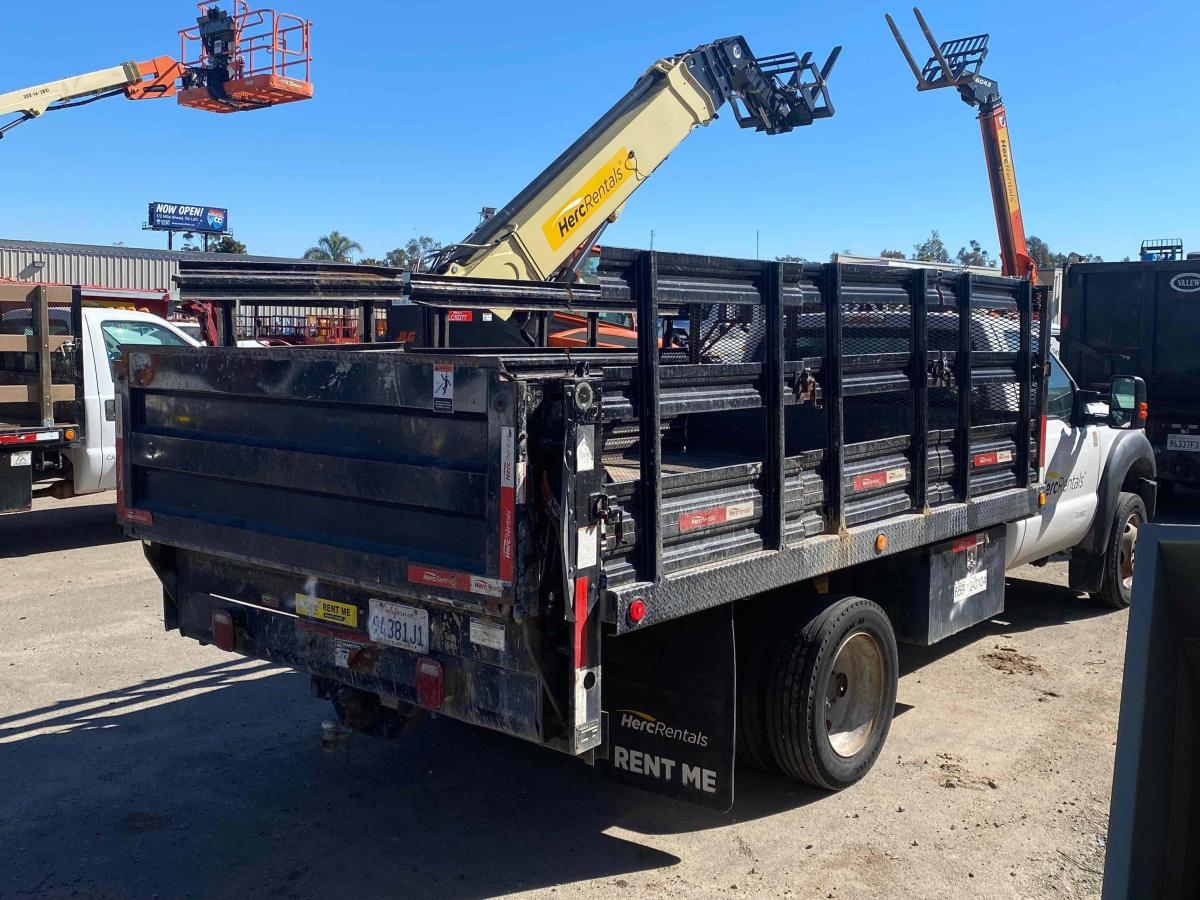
228 62
956 64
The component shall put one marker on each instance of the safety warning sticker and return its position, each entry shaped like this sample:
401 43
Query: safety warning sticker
443 388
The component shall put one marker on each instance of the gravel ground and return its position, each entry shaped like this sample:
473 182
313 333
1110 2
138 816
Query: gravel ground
134 763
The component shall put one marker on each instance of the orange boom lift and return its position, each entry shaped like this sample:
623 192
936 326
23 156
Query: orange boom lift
956 64
228 63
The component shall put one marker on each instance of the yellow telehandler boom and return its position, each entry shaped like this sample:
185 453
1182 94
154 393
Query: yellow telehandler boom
550 226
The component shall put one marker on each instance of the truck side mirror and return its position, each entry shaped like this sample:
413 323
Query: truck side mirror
1127 406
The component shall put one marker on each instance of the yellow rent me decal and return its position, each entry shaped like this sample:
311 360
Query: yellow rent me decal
327 610
560 227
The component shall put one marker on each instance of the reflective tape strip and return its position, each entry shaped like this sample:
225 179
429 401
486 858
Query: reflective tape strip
879 479
455 581
992 458
716 515
508 501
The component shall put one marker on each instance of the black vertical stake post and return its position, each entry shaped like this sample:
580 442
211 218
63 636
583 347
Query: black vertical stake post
831 372
443 320
228 323
649 531
1042 370
1024 375
919 301
695 338
774 489
368 322
593 329
962 374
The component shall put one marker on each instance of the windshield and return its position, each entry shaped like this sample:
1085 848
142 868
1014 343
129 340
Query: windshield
118 334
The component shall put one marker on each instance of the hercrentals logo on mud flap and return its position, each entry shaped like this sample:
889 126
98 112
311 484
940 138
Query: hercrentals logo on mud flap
635 720
590 197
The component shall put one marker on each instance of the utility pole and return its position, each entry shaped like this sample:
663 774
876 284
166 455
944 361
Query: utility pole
651 238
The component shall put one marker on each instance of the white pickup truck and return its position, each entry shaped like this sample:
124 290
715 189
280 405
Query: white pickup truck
57 413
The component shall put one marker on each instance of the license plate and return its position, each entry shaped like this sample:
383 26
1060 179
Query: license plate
399 626
975 583
1186 442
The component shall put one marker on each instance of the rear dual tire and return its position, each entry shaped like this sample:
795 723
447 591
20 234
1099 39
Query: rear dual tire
816 702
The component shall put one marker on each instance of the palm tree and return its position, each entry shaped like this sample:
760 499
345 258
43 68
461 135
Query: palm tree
335 247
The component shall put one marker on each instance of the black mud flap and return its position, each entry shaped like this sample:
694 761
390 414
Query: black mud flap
669 704
16 481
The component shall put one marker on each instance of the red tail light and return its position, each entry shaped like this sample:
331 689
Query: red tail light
431 689
223 631
1143 412
1042 448
637 610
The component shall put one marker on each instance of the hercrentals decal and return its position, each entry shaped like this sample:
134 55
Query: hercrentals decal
636 720
572 215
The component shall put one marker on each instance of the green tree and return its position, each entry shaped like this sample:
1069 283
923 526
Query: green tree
892 254
228 244
975 255
1047 259
931 249
335 247
1039 252
409 255
372 261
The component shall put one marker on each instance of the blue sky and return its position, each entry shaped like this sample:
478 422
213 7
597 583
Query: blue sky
425 112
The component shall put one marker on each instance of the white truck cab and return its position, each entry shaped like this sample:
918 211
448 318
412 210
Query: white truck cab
78 456
1098 485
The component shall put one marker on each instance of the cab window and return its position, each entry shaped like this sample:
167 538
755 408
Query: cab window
1060 392
118 334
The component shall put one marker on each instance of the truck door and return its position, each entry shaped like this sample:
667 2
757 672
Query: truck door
1072 475
109 336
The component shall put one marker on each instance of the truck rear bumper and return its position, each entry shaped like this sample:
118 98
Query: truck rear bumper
487 677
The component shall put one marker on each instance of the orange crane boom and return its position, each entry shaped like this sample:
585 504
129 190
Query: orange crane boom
956 64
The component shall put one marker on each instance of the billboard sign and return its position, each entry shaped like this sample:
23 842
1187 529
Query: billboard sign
178 217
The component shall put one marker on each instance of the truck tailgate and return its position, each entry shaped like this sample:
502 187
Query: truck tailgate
372 468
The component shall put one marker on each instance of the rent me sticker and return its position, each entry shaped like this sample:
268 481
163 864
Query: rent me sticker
327 610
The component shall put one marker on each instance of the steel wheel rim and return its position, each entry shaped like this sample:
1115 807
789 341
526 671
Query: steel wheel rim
854 694
1126 557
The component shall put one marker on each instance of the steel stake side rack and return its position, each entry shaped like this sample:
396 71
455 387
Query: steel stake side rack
806 354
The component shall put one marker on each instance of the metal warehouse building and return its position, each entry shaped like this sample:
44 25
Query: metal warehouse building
130 268
125 268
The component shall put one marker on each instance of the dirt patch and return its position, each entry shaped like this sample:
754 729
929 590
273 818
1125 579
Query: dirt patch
1011 662
953 774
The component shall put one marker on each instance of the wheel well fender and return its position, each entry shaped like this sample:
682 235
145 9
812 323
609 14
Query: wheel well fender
1130 467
